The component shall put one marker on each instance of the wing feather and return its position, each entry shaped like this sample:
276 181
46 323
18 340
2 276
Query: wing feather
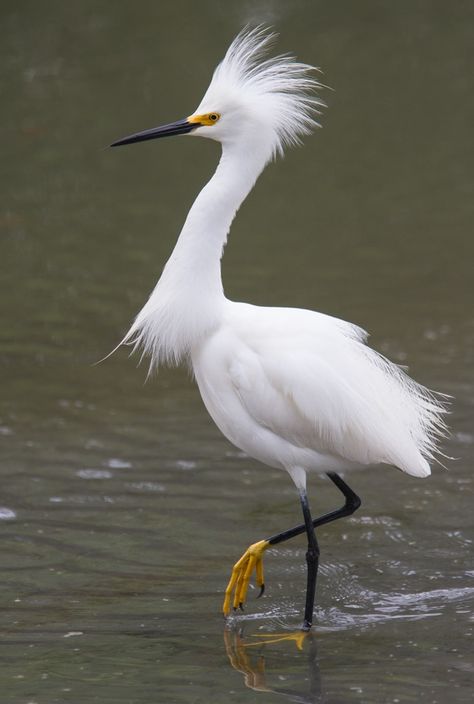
318 386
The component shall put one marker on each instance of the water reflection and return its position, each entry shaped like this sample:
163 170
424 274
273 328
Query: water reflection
249 655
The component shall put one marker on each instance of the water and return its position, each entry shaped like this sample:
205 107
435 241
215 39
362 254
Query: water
122 508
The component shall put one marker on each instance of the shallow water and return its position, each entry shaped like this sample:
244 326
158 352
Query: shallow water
122 508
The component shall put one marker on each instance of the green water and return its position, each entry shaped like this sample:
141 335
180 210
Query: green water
122 508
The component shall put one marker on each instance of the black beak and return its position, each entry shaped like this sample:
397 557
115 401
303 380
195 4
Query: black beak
179 127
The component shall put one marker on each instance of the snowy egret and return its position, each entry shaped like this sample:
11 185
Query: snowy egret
295 389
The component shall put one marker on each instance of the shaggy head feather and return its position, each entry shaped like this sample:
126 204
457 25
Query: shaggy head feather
250 91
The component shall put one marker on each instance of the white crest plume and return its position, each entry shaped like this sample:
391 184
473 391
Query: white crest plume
278 91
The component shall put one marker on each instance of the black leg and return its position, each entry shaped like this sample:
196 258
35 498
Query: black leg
312 561
252 558
351 505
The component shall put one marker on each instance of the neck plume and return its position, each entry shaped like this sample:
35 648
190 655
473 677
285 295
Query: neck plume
188 300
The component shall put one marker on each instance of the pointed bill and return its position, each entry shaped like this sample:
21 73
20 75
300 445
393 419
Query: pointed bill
173 128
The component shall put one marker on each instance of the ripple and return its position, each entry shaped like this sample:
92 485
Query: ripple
79 500
367 608
147 486
6 514
397 536
386 521
185 464
422 598
94 474
72 634
334 570
459 537
117 463
387 607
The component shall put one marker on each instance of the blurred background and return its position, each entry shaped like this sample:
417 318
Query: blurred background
122 508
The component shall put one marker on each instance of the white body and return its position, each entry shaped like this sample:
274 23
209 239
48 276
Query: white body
299 390
294 389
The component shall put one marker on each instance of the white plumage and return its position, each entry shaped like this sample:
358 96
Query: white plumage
300 390
295 389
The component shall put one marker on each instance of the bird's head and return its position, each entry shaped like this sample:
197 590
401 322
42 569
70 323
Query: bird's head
252 100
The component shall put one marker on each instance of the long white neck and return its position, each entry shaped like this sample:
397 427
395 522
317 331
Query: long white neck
188 300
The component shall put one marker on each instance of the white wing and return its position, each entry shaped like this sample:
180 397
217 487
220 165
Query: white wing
309 380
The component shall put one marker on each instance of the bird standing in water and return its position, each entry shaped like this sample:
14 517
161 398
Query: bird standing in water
295 389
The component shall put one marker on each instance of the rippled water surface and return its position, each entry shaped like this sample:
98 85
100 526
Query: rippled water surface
121 506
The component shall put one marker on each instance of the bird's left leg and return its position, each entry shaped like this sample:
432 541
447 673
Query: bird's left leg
252 559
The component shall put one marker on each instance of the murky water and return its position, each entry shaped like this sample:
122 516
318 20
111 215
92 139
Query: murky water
122 508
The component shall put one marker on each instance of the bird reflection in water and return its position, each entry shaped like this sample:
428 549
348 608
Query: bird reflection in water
246 655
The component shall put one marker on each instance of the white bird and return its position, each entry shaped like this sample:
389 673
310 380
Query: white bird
295 389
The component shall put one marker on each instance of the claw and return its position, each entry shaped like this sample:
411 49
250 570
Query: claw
262 589
251 560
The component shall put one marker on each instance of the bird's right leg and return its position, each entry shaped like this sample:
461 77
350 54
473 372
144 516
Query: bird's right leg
252 559
312 561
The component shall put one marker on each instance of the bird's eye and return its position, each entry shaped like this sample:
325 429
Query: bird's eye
206 119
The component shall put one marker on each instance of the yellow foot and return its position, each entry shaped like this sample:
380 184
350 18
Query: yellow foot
251 560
